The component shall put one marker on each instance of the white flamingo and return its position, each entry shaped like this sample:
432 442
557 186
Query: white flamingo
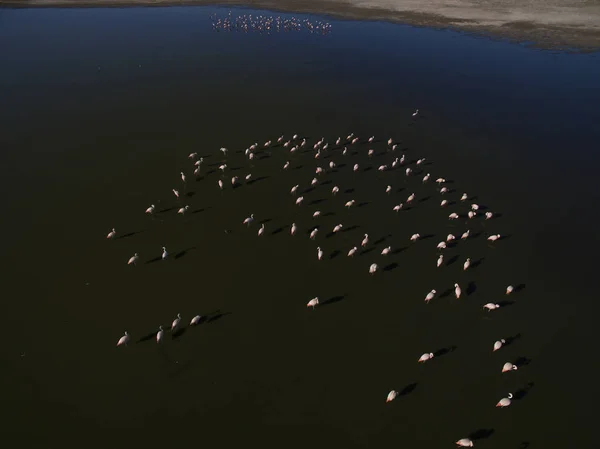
176 193
465 235
390 141
299 200
443 190
261 231
440 260
316 214
151 209
391 396
159 334
313 233
397 207
415 113
355 168
491 306
464 442
440 180
464 197
199 162
164 253
338 228
293 229
124 339
411 198
313 303
248 221
420 161
224 166
111 234
450 237
425 357
182 177
441 245
498 344
371 139
443 203
415 237
471 214
426 178
388 189
370 153
509 289
314 181
234 181
505 402
365 241
408 171
294 189
352 251
467 264
220 183
183 210
335 190
457 291
493 238
509 367
373 268
176 322
430 296
193 155
319 253
453 216
386 251
475 207
349 204
133 260
196 320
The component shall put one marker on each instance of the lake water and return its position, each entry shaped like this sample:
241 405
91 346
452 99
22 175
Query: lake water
99 111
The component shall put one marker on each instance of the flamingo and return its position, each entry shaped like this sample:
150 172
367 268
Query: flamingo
279 139
314 181
430 296
338 141
197 171
395 162
498 344
164 253
491 306
408 171
471 214
294 189
313 233
355 167
319 253
443 190
441 245
450 237
224 166
426 178
345 151
111 234
352 251
349 204
365 241
318 170
391 396
467 264
267 143
397 207
453 216
373 268
440 260
425 357
505 402
390 141
443 203
183 210
493 238
440 180
313 303
386 251
220 183
464 197
176 322
151 209
354 140
410 198
199 162
261 231
488 215
475 207
316 214
133 259
370 153
509 289
464 442
371 139
420 161
350 137
196 320
338 228
176 193
182 177
224 151
248 221
159 334
388 189
335 190
193 155
293 229
299 200
402 159
124 339
382 168
295 136
509 367
234 181
415 237
465 235
415 113
457 291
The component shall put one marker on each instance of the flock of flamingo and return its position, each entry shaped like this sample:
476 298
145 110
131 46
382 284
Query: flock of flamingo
340 147
267 24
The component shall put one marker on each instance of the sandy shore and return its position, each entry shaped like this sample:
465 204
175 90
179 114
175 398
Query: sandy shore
545 23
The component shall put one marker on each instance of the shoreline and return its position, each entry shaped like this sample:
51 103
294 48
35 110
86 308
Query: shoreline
551 25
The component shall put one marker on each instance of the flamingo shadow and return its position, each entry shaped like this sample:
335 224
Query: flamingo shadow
522 361
168 209
471 288
391 266
190 194
217 316
518 288
444 351
349 190
511 339
505 303
364 203
278 230
477 262
367 251
427 236
156 259
332 300
147 337
408 389
452 260
350 228
446 292
481 434
129 234
328 214
520 394
202 209
183 252
399 250
422 200
260 178
335 253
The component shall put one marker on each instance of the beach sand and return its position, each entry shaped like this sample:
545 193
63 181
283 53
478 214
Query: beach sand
573 24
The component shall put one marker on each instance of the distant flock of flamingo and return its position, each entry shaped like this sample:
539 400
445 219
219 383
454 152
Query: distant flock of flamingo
340 147
247 23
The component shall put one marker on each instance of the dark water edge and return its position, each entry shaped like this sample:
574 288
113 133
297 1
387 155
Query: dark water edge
101 109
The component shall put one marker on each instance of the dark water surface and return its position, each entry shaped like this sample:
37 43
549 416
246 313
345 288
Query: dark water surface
99 110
